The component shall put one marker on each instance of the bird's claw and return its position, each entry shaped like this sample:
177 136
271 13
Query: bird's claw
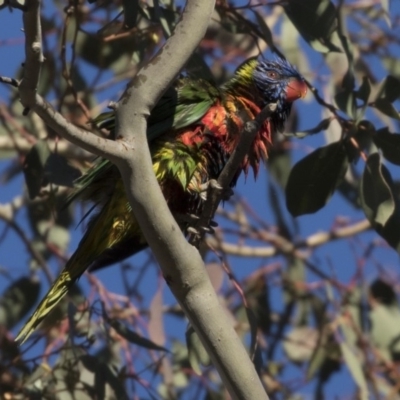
199 231
226 193
193 219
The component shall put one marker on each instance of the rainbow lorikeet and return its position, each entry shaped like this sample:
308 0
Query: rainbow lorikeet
191 131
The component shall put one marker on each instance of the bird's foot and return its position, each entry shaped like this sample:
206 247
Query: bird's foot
212 184
193 228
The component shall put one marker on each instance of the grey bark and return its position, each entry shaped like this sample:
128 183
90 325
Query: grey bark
180 262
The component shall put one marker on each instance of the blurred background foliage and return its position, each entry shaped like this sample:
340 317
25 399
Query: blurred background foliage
318 325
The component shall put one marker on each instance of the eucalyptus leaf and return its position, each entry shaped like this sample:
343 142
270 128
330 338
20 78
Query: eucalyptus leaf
346 102
365 90
383 292
259 307
392 64
34 167
323 125
197 354
134 337
315 20
266 31
57 170
378 201
389 143
387 108
17 300
376 195
300 343
313 179
355 366
385 329
131 10
103 375
390 89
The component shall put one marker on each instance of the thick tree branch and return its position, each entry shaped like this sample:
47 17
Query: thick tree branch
33 101
180 262
62 147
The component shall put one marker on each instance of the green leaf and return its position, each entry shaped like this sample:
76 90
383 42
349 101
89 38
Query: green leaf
386 107
17 300
385 329
315 20
167 20
364 133
131 9
197 354
378 202
323 125
39 374
58 171
257 296
59 237
106 54
153 14
391 64
390 89
289 43
279 165
134 337
326 360
386 12
103 375
292 279
266 32
389 143
376 196
232 22
198 68
300 343
346 102
253 332
313 179
348 81
383 293
34 167
67 361
355 365
365 90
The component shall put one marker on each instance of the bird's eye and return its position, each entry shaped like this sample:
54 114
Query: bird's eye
272 74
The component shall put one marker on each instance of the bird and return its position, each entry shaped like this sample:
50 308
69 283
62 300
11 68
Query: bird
192 131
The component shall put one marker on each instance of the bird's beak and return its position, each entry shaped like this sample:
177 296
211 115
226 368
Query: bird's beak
295 89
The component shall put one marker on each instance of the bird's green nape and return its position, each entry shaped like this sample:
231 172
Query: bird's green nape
192 132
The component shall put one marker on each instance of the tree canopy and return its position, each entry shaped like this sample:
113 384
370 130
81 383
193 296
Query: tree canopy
304 261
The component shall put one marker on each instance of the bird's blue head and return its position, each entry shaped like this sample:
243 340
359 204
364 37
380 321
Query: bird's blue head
279 82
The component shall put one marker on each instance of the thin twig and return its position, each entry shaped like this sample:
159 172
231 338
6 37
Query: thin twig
283 246
215 193
9 81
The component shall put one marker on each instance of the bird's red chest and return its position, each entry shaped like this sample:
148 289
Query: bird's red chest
192 137
215 120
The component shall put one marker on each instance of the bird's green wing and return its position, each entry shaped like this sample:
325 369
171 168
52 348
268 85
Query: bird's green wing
182 105
86 185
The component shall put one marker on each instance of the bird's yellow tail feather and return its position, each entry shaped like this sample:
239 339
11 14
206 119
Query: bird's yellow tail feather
58 290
